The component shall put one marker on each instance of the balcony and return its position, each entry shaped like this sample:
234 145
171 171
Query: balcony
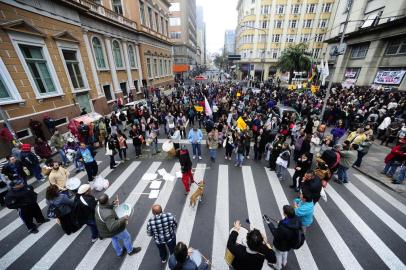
109 14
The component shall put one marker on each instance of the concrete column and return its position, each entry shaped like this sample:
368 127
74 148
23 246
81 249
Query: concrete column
92 63
137 52
113 71
128 67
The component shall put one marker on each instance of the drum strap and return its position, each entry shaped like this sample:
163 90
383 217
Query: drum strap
98 212
84 202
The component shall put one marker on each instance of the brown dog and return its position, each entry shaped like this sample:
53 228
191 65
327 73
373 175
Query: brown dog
198 193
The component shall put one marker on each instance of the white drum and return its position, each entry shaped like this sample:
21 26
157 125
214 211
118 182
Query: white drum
73 183
123 209
242 236
167 146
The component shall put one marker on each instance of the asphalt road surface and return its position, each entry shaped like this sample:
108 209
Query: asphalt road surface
360 226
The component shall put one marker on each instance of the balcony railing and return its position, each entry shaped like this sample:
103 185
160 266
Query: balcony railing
96 8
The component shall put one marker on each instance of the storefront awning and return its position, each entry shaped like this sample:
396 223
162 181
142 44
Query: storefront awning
180 68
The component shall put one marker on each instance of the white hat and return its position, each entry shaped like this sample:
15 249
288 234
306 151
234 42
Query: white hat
83 188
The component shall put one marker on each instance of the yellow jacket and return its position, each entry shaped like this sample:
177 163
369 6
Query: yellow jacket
356 138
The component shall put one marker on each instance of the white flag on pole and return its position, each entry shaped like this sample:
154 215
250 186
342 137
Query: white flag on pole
326 73
207 108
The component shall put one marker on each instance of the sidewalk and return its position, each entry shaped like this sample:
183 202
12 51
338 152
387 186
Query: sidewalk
373 163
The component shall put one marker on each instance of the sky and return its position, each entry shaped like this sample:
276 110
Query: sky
219 16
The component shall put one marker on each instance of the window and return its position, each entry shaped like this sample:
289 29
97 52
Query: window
142 12
174 7
316 52
265 9
290 38
295 9
24 133
166 28
292 23
156 68
156 22
149 69
8 90
319 37
175 35
123 87
174 21
278 24
150 17
280 9
307 23
116 4
38 67
98 53
61 121
276 38
165 68
311 8
264 24
396 47
326 7
132 57
118 60
359 51
304 38
72 65
169 67
107 92
252 11
162 25
161 69
275 54
323 23
263 38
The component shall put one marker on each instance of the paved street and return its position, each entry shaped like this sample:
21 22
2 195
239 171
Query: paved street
361 226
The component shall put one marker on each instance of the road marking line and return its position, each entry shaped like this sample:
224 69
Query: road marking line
303 255
382 193
382 215
253 206
221 219
97 250
63 243
27 242
142 239
387 256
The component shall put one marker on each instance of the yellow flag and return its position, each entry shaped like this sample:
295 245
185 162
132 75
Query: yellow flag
241 124
314 88
198 108
238 94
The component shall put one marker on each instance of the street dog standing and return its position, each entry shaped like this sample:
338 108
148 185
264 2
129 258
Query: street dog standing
198 193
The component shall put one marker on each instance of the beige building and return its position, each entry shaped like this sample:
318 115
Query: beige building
376 43
58 57
182 31
266 27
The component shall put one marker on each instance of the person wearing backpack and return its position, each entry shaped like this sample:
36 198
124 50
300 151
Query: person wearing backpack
286 236
84 210
282 162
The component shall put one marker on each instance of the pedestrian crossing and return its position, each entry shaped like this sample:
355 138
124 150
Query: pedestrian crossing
360 226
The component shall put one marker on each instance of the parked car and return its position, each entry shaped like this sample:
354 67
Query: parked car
279 111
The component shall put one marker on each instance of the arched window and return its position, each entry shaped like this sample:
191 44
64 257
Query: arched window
118 60
131 56
98 52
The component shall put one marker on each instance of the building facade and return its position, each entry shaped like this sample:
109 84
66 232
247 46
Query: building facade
59 57
182 31
266 27
201 37
375 41
229 42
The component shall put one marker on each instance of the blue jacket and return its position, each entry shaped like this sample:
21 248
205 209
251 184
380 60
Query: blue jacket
195 136
187 265
304 211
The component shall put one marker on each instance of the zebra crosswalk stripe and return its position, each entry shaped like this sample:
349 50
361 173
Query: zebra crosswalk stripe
387 256
91 258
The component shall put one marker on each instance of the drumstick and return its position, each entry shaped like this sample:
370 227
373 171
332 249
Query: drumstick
118 202
207 260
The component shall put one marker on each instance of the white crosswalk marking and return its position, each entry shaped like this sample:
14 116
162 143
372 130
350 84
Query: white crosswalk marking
303 255
387 256
25 244
254 209
142 239
221 219
337 243
91 258
63 243
382 215
382 193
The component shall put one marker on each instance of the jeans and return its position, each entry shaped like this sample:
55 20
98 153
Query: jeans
281 258
196 148
390 168
93 228
36 170
137 148
126 238
112 162
280 171
239 158
342 174
91 170
163 253
78 165
359 159
401 176
122 152
154 147
63 156
213 153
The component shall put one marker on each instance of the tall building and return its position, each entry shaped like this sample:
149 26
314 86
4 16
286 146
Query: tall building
266 27
58 57
375 41
201 36
182 31
229 42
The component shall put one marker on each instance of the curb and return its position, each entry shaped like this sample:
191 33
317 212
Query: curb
382 183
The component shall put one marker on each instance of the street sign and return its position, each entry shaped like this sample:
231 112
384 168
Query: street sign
234 57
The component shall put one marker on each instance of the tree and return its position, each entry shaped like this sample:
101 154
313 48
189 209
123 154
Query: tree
294 58
220 61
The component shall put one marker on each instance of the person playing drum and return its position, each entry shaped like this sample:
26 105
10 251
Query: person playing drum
185 258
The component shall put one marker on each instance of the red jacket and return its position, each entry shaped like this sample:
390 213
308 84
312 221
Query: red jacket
395 154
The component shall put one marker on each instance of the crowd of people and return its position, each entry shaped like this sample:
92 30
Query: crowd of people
248 125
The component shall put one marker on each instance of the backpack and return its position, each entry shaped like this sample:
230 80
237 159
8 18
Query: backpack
299 240
53 211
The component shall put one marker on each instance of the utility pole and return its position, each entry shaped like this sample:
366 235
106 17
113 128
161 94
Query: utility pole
330 83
